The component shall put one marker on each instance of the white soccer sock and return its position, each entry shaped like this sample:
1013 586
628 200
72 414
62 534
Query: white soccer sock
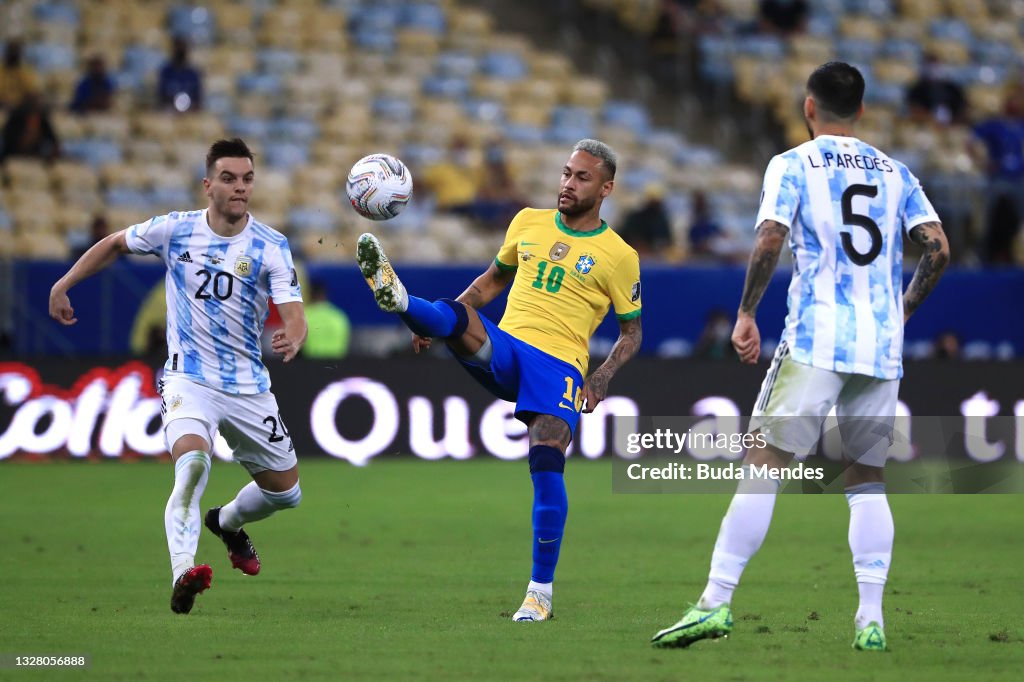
182 521
740 536
543 588
871 536
253 503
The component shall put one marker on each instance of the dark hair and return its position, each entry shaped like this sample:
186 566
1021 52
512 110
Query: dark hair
234 148
837 89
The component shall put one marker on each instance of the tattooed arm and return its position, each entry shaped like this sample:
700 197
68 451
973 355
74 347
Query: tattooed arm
933 261
486 287
595 389
746 338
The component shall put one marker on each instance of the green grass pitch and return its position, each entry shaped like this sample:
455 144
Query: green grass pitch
409 570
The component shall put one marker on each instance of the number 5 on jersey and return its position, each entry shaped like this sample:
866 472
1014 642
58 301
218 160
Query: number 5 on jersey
860 220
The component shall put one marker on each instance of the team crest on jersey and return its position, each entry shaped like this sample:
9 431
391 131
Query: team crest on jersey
559 251
175 403
243 266
585 264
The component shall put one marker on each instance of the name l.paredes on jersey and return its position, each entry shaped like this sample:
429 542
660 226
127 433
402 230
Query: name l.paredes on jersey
859 161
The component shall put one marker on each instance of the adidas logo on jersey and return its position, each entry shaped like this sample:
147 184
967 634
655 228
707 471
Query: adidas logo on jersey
185 258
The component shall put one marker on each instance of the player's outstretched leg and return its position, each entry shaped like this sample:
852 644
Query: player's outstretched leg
443 319
190 583
388 290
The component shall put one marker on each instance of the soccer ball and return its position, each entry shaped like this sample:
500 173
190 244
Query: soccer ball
379 186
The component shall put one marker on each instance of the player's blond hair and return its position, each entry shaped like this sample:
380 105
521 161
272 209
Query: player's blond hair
599 150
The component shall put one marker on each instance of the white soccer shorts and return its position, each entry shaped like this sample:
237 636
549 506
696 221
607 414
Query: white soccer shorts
796 398
250 424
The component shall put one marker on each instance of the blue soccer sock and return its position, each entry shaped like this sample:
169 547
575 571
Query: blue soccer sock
550 508
434 320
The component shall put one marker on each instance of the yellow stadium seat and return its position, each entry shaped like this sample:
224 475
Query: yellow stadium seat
69 176
862 27
32 244
26 174
587 91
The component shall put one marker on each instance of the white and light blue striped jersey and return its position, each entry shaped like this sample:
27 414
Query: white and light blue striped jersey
217 296
847 206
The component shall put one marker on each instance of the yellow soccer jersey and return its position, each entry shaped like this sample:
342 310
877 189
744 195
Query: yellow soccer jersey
564 283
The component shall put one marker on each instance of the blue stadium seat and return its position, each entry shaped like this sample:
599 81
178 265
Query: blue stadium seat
285 155
140 60
195 23
254 128
57 13
822 25
375 40
50 57
566 116
424 17
373 26
422 155
716 53
219 103
987 74
294 129
764 47
627 115
856 50
518 133
268 84
951 29
126 197
569 132
889 94
446 86
278 62
483 109
382 16
904 49
93 151
456 63
171 196
397 109
880 9
310 219
504 65
995 54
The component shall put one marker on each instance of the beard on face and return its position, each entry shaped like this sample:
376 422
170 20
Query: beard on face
579 206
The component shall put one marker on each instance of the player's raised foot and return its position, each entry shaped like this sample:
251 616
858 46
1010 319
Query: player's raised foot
388 290
188 585
696 624
240 550
870 638
536 606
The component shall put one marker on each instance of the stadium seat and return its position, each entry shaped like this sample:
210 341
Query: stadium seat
26 174
195 22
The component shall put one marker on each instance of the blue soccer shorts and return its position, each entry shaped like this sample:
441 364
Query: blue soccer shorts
536 382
